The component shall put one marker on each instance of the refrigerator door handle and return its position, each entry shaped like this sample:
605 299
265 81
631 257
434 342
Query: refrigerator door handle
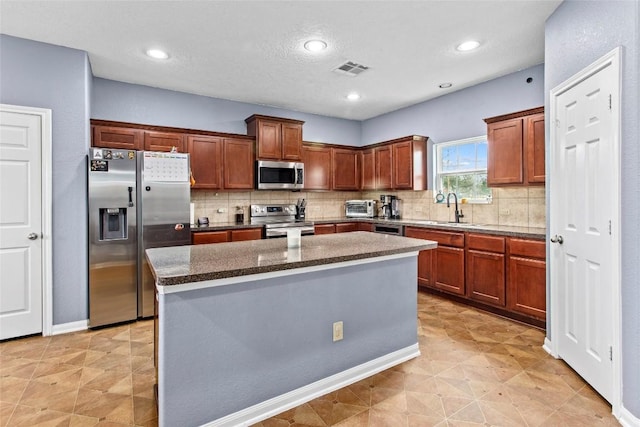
130 197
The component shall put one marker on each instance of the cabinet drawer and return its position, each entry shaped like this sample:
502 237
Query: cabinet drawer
442 237
209 237
246 234
324 228
528 248
346 227
483 242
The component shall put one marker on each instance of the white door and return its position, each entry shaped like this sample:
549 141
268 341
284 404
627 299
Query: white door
583 211
20 224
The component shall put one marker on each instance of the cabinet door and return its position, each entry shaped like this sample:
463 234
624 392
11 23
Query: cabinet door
346 174
206 161
346 227
402 166
425 258
383 156
209 237
269 140
534 135
527 286
115 137
486 277
449 269
246 234
505 153
368 169
239 164
324 228
163 141
291 142
317 167
365 226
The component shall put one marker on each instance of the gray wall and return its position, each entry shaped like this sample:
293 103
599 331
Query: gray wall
42 75
577 34
126 102
459 114
203 371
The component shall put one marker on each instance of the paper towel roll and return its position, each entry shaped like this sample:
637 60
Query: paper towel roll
192 213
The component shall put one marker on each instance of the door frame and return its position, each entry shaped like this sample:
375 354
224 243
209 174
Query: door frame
45 115
611 59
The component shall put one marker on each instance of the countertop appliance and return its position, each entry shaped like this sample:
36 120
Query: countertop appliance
395 229
390 206
360 208
272 175
277 219
137 200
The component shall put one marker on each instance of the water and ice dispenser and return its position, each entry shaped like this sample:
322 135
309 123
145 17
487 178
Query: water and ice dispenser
113 224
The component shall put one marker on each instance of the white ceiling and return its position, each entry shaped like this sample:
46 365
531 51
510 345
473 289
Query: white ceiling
251 51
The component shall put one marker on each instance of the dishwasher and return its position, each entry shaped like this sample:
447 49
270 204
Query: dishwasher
395 229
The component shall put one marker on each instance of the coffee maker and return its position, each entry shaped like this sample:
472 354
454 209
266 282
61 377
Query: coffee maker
390 206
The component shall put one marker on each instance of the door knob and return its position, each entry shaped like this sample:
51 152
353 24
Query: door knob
32 236
557 239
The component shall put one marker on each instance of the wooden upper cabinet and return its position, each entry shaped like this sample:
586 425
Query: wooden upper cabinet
384 169
504 162
164 141
206 161
534 143
117 137
317 167
345 169
410 163
238 158
516 148
276 138
368 169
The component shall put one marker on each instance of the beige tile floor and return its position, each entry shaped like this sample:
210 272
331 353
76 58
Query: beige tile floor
476 369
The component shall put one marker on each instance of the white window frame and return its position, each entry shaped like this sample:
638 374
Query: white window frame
437 162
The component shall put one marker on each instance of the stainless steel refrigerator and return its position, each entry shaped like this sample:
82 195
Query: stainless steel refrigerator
137 200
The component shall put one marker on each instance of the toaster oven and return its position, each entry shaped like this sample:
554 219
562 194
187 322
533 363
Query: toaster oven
360 208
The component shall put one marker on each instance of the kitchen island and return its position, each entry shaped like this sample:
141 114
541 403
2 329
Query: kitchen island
246 330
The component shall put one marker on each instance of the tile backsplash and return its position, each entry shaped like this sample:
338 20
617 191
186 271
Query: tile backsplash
517 206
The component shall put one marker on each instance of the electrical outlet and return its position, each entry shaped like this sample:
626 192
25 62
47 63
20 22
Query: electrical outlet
505 212
337 331
221 210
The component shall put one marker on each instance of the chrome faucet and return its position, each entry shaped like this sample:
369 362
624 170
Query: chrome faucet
458 213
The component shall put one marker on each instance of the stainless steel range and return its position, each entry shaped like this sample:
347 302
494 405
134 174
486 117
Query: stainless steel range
277 219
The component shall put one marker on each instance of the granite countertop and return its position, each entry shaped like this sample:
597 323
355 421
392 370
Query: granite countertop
186 264
503 230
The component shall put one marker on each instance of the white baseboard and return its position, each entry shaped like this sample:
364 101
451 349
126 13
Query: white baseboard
65 328
278 404
627 419
547 346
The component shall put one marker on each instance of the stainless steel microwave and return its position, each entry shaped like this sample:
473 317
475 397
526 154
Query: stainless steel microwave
279 175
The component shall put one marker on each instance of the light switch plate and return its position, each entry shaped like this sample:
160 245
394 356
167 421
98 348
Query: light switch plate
338 332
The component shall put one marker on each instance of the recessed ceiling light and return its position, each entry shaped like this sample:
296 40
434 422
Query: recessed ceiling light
353 96
315 45
445 85
157 54
468 45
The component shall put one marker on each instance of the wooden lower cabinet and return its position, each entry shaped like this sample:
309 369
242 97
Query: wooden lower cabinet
442 268
485 269
202 237
365 226
223 236
324 228
345 227
527 278
503 275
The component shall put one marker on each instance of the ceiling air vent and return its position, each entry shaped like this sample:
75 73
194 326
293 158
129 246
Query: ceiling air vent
350 69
